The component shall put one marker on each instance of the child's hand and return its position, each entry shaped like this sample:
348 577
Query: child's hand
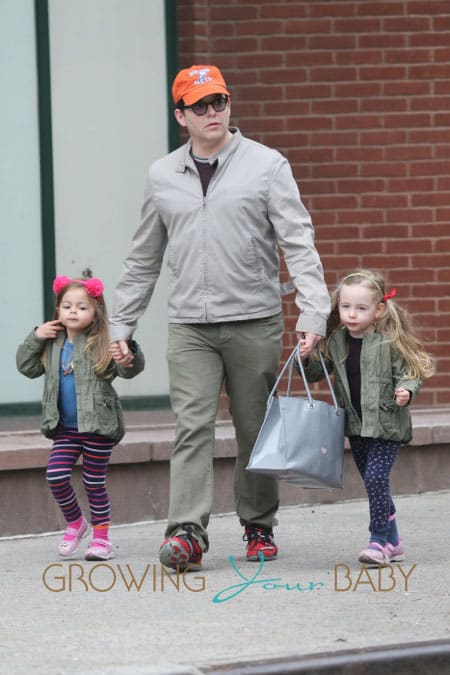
402 397
49 330
121 353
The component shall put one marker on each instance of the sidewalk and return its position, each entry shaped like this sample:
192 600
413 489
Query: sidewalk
74 617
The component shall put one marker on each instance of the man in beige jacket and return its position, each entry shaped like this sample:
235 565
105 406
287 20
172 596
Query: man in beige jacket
220 204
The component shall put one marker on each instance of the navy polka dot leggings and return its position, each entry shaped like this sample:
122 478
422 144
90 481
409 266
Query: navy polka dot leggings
374 459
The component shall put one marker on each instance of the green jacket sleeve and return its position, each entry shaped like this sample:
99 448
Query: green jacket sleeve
400 378
28 356
314 371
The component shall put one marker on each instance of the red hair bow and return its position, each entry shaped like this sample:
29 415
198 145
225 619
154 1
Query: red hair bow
390 295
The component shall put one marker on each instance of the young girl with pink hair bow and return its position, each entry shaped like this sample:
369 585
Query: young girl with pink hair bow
81 411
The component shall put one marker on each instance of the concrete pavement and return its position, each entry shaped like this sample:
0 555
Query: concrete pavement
128 616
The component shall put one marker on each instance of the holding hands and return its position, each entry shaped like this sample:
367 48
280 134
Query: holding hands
307 342
121 353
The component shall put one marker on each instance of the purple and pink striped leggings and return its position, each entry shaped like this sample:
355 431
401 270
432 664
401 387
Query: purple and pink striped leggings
96 450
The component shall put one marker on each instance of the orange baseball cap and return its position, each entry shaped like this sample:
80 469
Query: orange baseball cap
192 84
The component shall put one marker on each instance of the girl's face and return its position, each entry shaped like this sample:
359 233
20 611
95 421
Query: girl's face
358 309
76 311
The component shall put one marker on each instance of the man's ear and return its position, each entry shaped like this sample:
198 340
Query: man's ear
179 116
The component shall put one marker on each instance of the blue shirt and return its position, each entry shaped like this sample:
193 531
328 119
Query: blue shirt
67 401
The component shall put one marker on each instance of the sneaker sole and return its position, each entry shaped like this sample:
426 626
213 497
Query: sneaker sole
397 558
371 561
255 558
174 556
99 556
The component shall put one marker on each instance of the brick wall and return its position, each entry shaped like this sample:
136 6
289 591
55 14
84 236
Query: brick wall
356 94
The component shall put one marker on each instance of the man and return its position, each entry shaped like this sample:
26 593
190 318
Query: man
220 203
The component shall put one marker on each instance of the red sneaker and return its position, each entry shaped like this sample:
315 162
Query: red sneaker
260 543
181 551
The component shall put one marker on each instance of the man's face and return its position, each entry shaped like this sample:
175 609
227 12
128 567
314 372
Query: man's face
208 131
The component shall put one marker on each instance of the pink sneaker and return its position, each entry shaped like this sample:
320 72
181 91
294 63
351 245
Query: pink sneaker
394 553
373 554
99 549
69 546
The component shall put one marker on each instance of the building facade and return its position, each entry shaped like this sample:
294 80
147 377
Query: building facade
356 93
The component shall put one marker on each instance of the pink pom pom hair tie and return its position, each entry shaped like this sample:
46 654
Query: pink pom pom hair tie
94 286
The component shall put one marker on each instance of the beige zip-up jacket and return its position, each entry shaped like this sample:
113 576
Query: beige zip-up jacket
222 248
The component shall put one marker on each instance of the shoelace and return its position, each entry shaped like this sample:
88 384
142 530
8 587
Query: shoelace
256 535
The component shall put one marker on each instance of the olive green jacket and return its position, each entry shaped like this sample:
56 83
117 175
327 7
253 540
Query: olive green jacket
98 406
383 371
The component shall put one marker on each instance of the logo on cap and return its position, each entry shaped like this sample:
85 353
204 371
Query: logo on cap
203 76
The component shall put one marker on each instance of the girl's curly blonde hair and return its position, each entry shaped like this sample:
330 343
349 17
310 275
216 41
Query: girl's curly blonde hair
395 323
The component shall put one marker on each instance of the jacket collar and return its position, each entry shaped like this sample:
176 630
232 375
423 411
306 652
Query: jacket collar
223 154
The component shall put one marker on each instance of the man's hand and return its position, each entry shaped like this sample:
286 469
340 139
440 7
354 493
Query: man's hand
307 342
121 354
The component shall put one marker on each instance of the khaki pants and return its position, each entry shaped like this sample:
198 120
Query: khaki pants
245 355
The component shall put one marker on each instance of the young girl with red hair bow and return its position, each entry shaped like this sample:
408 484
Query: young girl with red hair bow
378 363
81 411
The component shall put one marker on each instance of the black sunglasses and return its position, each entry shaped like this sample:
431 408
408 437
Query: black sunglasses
201 107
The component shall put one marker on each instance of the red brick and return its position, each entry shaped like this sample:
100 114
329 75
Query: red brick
309 58
359 122
406 153
425 39
407 120
429 168
359 185
379 8
259 28
409 246
384 105
383 73
409 185
428 71
365 217
230 12
330 8
358 26
357 89
384 201
282 43
310 26
408 88
423 216
385 231
433 199
346 106
384 169
334 42
424 7
443 215
407 24
408 55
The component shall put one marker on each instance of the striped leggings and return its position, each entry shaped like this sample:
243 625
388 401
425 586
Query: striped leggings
96 450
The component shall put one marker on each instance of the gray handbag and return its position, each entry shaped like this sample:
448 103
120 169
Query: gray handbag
301 439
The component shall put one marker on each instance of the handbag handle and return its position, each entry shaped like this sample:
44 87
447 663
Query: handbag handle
290 364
